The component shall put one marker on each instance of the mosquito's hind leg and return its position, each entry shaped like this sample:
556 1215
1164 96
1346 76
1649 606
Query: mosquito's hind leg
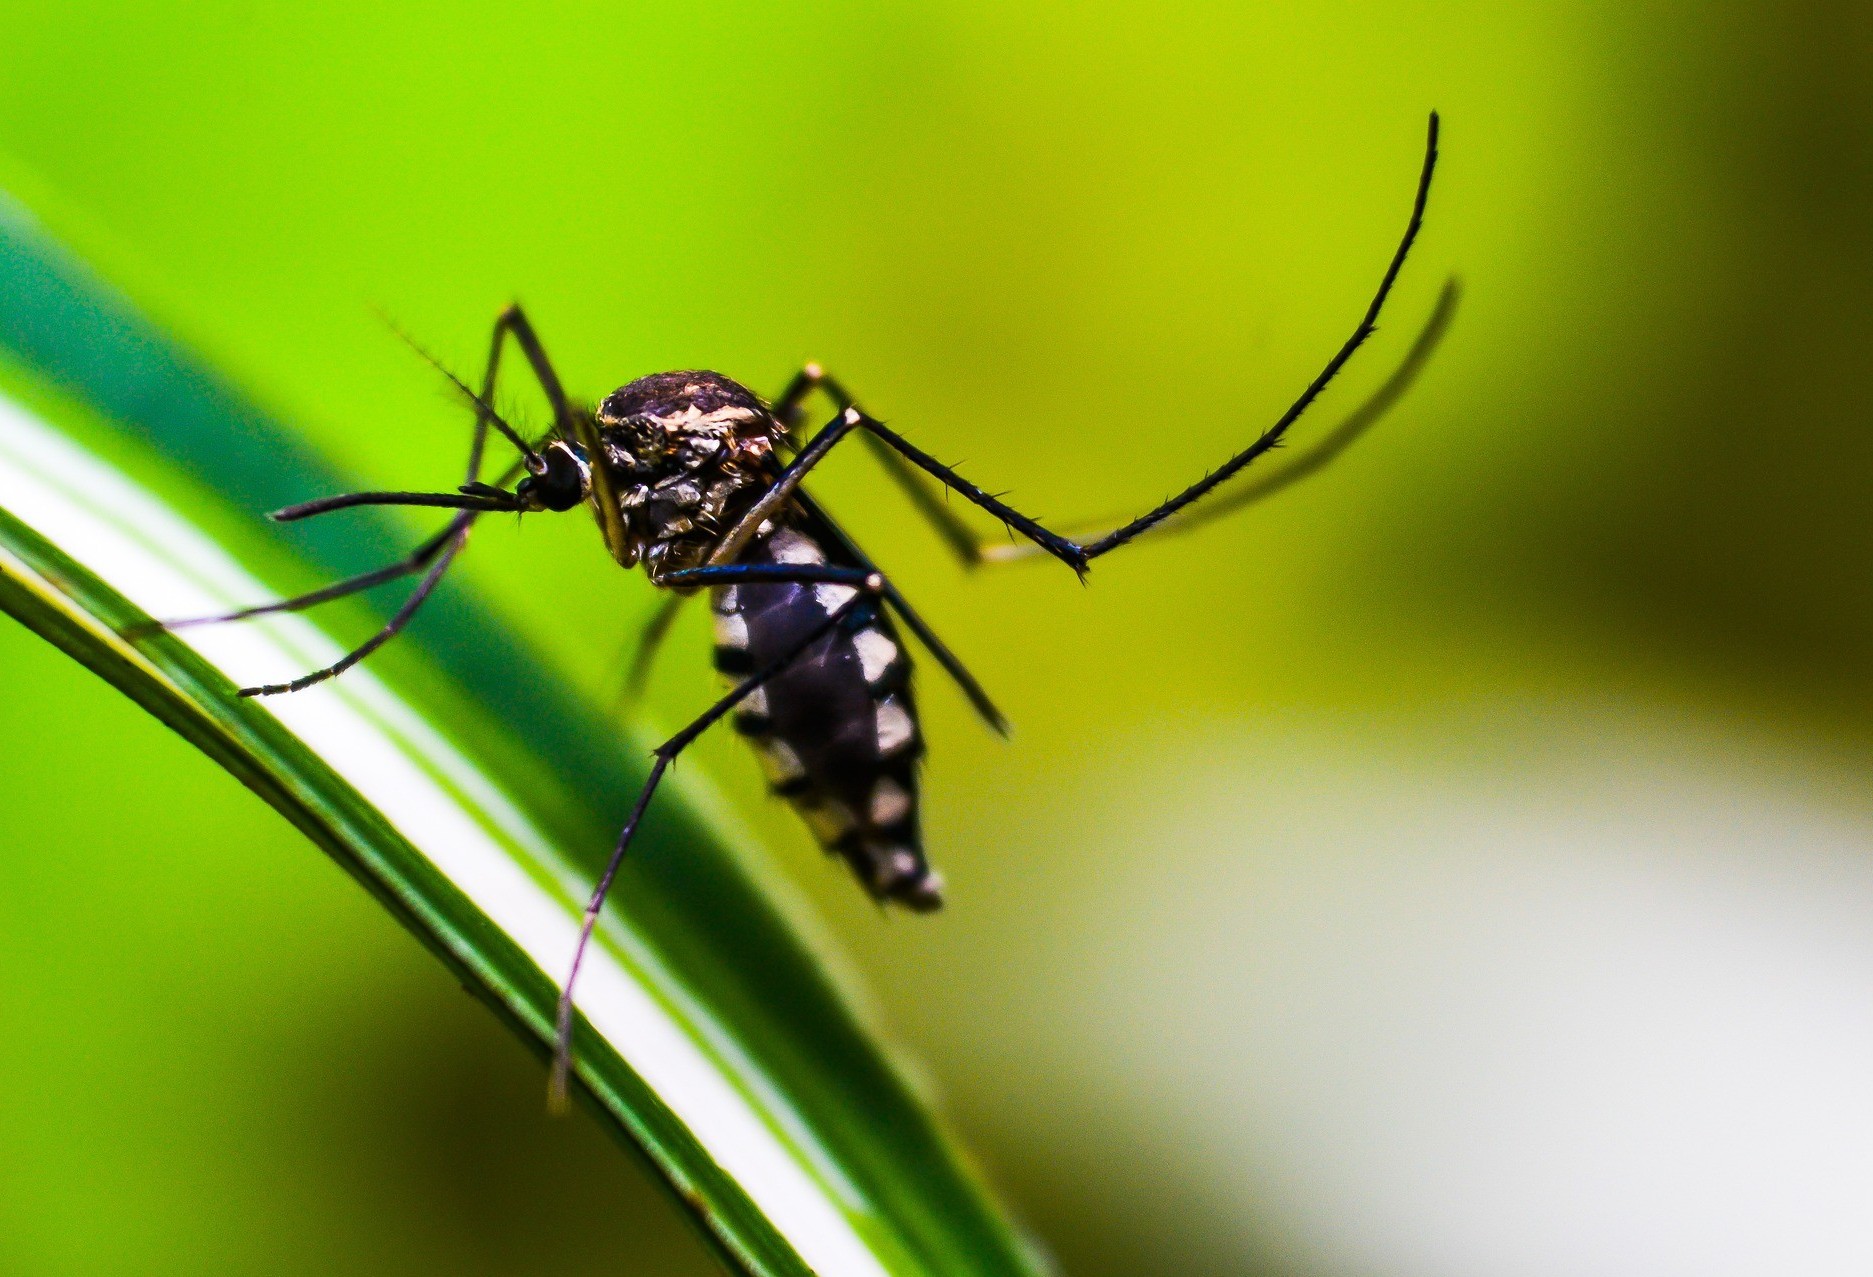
1074 554
655 631
1303 464
867 595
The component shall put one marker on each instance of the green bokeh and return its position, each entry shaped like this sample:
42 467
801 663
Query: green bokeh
1083 250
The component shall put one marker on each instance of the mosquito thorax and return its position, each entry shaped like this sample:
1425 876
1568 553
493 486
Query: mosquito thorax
686 452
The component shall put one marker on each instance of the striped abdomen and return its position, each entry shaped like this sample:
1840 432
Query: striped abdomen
836 730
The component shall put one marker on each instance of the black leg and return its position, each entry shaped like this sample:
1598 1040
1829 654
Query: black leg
872 579
787 488
510 322
416 561
957 671
440 551
649 641
1368 323
423 590
663 756
774 574
570 425
729 547
513 322
956 534
787 408
1073 554
473 499
959 674
1305 464
482 498
853 418
474 495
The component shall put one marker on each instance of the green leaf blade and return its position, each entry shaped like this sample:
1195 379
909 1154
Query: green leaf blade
715 1042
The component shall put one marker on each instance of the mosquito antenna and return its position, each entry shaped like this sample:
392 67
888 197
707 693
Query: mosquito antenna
535 463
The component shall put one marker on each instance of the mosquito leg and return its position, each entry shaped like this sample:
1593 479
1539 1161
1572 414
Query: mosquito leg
774 574
1079 556
958 672
649 641
853 418
664 755
786 488
482 498
1305 464
776 497
811 377
956 534
415 562
472 499
570 425
1272 436
1073 554
438 552
485 415
513 322
395 625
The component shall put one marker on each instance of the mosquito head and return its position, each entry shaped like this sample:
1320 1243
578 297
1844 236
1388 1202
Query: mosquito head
562 481
678 422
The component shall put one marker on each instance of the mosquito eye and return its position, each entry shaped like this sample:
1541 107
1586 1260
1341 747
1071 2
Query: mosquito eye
566 474
558 487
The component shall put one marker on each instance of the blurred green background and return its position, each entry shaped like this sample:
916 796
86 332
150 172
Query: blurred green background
1459 866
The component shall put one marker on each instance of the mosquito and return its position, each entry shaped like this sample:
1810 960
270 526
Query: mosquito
698 480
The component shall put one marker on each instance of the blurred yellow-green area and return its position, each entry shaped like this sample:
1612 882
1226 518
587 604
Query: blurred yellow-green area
1459 866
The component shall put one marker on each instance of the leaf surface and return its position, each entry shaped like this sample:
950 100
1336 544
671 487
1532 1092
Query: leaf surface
475 803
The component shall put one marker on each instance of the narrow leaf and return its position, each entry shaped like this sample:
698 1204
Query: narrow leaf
714 1041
